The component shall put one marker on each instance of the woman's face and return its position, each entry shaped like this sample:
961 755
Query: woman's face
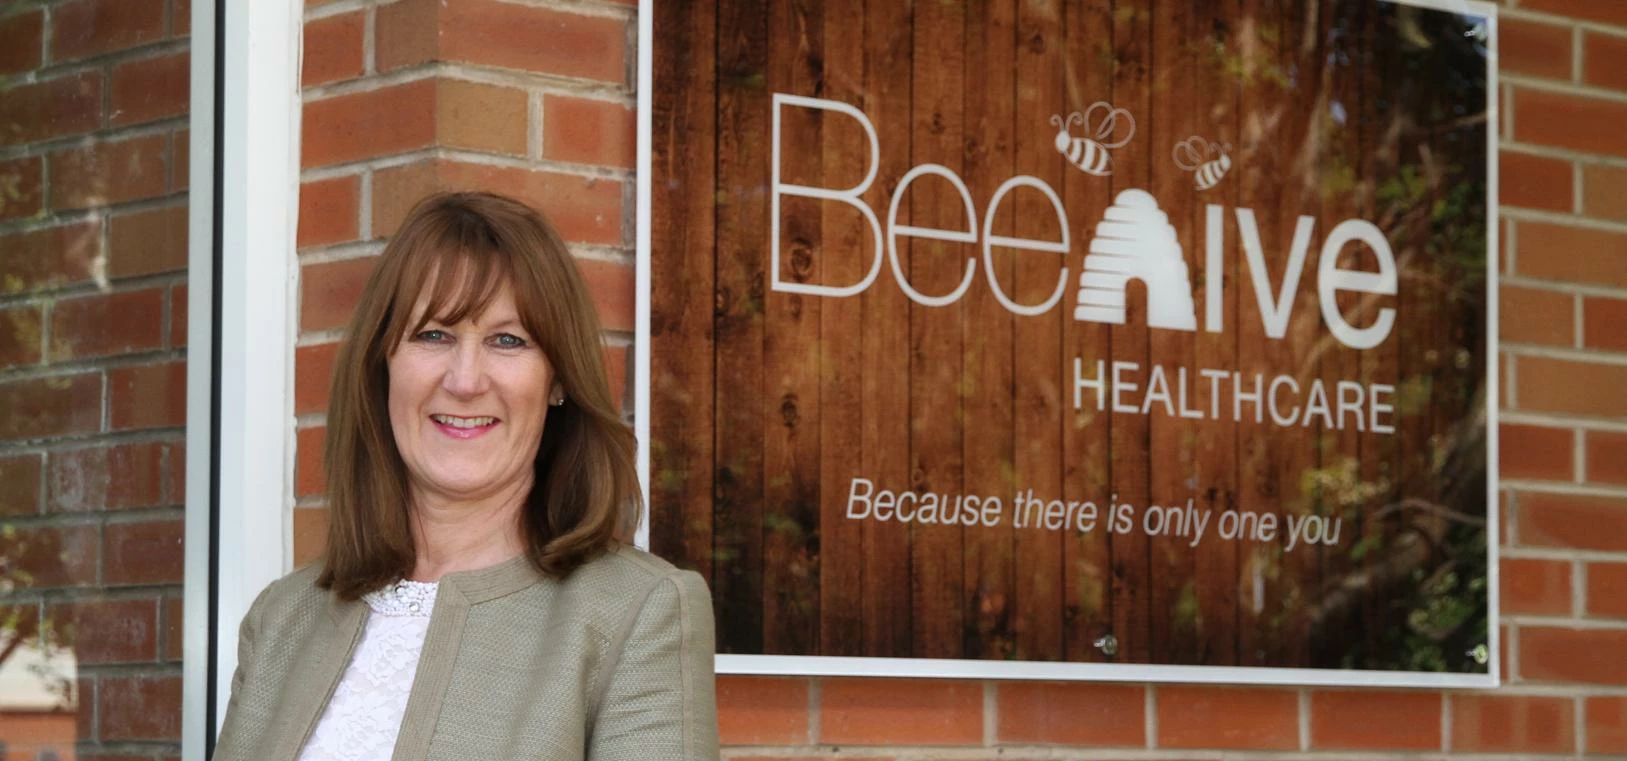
467 404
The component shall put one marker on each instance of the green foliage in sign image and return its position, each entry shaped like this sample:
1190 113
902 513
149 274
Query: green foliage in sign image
1445 615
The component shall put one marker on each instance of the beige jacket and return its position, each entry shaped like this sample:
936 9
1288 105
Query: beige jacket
613 663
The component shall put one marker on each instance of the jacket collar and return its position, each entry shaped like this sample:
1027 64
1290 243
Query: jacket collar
482 584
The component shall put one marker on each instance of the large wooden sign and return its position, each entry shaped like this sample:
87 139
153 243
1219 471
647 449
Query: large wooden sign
1099 338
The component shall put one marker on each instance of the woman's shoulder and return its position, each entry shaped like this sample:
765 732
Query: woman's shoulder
294 592
624 577
627 565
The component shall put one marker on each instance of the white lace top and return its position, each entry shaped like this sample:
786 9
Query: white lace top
363 718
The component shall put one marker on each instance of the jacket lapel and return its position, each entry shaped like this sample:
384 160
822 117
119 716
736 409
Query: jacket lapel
313 678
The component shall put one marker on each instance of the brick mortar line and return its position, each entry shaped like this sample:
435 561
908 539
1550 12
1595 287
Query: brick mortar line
816 716
334 172
336 8
991 716
1511 666
1579 456
98 519
1555 622
1521 14
91 519
98 136
87 366
330 171
68 217
585 171
595 10
1149 728
369 40
1519 214
105 404
402 76
1527 486
1578 190
364 205
520 79
66 445
1564 554
89 288
106 62
1527 82
1565 286
1576 54
340 252
1510 240
171 152
1596 356
19 7
1510 379
47 318
1579 589
1579 716
131 747
159 666
466 156
603 252
1446 722
1303 708
319 337
534 133
1578 320
47 28
547 84
103 63
47 298
1548 151
1505 109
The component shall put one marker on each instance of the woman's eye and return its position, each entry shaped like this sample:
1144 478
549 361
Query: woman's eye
509 341
431 335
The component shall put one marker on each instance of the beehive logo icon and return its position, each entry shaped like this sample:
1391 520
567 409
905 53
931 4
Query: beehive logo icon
1135 241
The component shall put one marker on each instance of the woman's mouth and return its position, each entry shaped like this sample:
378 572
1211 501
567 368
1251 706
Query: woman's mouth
463 427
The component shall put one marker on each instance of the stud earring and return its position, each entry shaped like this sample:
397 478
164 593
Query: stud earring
560 402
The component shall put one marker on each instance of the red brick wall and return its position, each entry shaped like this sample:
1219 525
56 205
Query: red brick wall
536 99
93 147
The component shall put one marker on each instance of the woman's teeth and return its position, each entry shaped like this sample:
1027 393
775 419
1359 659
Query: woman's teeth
463 422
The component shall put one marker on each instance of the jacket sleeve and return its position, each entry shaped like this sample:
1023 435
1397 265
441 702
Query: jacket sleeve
232 729
658 700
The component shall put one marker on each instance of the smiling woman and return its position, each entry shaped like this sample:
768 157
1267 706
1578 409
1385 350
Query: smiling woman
477 599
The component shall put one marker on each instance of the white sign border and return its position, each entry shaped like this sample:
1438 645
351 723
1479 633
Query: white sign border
805 665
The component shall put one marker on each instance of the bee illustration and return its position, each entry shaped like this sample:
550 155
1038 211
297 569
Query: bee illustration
1090 153
1207 161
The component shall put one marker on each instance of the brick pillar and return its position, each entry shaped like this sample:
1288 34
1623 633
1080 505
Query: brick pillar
403 99
93 169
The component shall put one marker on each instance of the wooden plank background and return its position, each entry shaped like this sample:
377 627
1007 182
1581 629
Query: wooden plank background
766 404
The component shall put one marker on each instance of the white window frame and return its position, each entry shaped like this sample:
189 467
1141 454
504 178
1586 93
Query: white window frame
242 216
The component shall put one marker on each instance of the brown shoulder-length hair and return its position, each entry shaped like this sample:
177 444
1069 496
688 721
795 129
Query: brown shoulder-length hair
461 249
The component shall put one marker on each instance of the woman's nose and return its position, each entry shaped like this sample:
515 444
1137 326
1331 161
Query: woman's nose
467 374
